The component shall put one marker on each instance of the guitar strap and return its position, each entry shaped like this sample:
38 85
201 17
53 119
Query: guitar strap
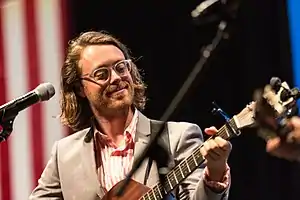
163 141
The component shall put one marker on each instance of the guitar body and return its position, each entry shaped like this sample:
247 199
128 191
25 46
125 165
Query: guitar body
134 191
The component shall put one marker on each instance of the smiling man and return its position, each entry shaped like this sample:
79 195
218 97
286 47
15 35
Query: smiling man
102 99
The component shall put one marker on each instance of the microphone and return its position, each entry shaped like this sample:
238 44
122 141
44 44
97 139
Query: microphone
10 110
214 10
203 7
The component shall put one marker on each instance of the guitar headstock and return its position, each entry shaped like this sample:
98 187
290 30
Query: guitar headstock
274 106
246 117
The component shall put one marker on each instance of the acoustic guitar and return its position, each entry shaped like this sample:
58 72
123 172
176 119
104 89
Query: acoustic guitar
137 191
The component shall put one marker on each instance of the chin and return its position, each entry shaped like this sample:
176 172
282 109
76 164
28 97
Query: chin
118 104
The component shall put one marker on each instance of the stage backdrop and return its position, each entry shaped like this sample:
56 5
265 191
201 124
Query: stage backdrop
31 52
294 24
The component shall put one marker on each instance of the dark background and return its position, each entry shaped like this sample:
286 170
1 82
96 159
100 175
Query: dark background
167 43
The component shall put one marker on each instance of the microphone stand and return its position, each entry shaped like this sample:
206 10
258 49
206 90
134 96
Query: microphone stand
7 128
151 149
6 124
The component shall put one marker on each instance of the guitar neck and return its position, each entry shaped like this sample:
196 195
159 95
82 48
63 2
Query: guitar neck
187 166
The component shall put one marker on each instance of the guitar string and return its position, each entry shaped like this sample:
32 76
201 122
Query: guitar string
179 169
154 193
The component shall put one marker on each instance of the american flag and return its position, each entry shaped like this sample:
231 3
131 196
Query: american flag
32 41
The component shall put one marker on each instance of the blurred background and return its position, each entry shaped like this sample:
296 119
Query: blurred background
264 41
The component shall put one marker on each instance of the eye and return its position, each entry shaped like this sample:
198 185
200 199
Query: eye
122 67
101 74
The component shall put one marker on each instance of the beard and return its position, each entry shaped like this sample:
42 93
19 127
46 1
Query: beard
114 98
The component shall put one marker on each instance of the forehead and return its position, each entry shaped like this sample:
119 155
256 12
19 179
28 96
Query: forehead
98 55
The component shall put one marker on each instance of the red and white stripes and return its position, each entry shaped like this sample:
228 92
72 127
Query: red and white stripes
32 40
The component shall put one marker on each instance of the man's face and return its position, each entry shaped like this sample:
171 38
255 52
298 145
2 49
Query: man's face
107 88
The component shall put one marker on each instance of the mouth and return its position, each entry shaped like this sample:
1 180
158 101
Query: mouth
118 90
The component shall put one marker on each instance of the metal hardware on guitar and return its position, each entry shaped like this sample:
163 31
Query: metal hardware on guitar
286 93
276 104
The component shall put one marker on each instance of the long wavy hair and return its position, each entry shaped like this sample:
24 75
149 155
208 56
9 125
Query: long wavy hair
75 110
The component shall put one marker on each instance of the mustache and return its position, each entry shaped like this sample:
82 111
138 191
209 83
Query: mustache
120 86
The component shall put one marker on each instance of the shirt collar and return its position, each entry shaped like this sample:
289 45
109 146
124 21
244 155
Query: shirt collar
131 128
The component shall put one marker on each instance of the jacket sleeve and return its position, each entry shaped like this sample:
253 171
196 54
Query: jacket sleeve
194 187
49 183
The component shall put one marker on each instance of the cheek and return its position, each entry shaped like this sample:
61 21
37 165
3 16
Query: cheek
128 79
94 89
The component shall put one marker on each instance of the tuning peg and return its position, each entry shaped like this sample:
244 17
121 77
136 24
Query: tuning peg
217 110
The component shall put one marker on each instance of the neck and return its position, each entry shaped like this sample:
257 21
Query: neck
114 125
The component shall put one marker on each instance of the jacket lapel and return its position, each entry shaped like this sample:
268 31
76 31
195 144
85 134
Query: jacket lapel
142 139
88 159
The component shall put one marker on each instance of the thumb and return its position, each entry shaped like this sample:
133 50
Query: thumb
211 130
273 144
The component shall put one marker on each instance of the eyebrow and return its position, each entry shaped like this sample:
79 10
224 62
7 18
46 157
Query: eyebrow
107 65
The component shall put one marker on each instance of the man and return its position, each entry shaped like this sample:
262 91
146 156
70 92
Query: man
102 96
288 149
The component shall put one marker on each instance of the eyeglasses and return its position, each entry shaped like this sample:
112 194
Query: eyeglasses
102 74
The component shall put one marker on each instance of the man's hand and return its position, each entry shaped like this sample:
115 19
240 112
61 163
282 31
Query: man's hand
289 149
216 152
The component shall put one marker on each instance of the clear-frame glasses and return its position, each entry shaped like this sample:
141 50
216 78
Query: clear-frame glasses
102 74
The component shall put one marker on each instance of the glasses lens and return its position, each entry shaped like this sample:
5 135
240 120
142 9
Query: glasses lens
101 74
122 67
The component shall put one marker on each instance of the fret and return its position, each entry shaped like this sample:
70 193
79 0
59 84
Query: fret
198 157
221 131
191 164
187 165
172 179
184 168
151 194
159 192
170 183
175 177
228 132
146 196
233 125
178 173
179 166
194 159
165 191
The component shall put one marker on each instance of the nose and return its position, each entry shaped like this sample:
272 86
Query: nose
114 77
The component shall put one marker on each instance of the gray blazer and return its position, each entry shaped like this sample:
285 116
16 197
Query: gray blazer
70 173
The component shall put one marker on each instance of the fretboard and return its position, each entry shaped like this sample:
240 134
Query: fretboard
185 167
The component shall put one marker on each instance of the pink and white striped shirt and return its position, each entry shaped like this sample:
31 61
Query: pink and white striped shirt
113 163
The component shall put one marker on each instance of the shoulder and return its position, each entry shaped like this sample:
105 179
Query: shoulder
183 134
183 126
184 130
183 138
73 140
177 129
